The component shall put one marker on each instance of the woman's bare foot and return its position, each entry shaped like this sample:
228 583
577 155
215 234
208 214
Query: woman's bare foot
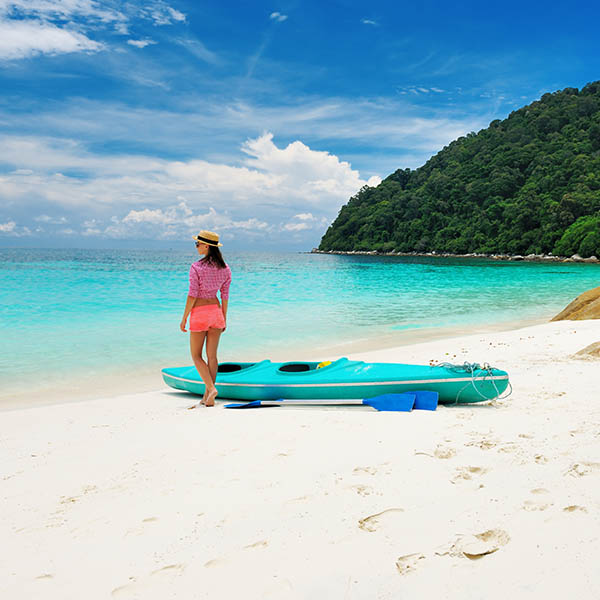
201 403
210 397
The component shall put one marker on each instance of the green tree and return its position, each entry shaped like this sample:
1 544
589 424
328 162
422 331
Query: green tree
528 183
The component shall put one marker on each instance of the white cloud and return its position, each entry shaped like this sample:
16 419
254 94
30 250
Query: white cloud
91 228
305 222
51 220
176 222
136 197
11 229
94 11
398 132
163 14
141 43
199 50
65 9
369 22
154 217
419 89
32 27
278 17
296 226
7 227
23 39
306 172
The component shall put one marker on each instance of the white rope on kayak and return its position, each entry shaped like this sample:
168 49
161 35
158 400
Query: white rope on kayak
471 368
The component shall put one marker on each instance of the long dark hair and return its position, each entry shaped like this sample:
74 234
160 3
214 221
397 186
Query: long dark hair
214 257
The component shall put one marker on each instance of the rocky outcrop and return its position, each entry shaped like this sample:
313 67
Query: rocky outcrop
585 306
589 352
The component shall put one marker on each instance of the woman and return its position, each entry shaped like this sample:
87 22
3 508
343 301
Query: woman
207 317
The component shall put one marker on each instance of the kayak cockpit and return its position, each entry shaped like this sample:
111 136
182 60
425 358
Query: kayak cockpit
313 367
233 367
298 367
226 368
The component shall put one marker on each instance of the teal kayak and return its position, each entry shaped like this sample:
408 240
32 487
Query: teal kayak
343 378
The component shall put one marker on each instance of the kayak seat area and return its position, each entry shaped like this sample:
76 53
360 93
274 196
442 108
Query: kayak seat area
295 367
232 367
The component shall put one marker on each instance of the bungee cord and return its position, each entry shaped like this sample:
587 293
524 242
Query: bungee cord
470 368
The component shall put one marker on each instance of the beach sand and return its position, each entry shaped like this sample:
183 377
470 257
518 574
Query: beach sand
137 497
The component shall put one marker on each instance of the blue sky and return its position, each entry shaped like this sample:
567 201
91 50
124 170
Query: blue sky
140 123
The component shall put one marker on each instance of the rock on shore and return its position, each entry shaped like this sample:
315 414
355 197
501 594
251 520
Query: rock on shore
585 306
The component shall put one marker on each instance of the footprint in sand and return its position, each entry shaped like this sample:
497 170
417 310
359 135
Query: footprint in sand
140 529
215 562
408 563
508 448
483 444
169 570
140 587
583 468
444 452
362 490
7 477
86 489
373 522
472 547
124 590
259 544
476 546
532 505
369 470
467 473
68 499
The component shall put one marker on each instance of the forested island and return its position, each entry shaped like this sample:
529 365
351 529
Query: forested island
529 184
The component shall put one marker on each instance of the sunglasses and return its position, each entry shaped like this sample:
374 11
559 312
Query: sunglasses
200 244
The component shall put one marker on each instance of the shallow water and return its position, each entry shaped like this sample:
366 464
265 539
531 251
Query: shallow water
74 316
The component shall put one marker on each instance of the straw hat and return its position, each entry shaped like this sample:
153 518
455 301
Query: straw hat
208 237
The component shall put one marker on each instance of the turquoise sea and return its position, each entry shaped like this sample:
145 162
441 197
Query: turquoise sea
71 320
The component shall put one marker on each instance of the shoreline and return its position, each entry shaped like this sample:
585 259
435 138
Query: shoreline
117 382
407 338
294 503
497 257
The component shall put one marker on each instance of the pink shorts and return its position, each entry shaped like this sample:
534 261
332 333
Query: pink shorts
203 318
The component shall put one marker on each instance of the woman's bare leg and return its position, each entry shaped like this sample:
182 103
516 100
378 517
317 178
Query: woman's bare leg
196 345
212 343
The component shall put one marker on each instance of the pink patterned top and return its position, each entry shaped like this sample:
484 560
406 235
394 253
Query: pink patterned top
206 279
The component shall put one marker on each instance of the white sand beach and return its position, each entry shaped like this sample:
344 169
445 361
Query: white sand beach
137 497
